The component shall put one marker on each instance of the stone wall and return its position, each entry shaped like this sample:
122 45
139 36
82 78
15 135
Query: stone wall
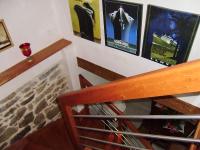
32 106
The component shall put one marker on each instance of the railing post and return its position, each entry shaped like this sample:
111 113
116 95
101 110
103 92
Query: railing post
196 136
70 125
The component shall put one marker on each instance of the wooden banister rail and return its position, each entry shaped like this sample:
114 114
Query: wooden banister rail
168 101
24 65
179 79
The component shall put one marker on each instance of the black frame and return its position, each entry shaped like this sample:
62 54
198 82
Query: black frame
147 48
7 36
139 20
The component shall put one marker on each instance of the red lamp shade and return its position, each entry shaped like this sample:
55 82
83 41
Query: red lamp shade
25 48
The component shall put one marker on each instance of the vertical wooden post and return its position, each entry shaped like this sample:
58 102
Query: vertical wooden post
196 136
71 125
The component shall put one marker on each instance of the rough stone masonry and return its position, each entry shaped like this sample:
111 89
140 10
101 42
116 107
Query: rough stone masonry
32 106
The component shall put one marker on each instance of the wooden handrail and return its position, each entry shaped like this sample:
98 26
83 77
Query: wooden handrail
168 101
24 65
179 79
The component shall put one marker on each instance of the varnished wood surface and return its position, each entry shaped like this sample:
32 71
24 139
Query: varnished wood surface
51 137
70 124
84 82
178 105
98 70
179 79
196 136
168 101
24 65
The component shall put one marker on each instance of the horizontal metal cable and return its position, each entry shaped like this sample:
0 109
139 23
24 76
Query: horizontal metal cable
110 124
162 137
106 142
95 148
178 117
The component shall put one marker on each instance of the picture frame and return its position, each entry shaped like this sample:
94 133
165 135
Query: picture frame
123 31
169 35
85 18
5 39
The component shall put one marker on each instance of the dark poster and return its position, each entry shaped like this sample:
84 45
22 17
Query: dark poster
169 35
86 19
122 23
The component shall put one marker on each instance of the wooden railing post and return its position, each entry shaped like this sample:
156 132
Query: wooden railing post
70 125
196 136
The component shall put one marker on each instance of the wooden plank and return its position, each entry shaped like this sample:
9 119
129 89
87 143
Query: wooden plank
168 101
70 124
84 82
196 136
179 79
178 105
98 70
24 65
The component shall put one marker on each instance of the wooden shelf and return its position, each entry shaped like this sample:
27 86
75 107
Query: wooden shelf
24 65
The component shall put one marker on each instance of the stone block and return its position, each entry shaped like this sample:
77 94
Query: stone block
27 119
2 129
9 104
52 113
39 119
12 95
7 134
4 145
18 115
42 105
21 134
28 100
10 111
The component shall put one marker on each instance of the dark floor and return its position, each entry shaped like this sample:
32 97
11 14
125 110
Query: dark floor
51 137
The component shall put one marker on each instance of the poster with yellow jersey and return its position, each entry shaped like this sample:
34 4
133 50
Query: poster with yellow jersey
86 19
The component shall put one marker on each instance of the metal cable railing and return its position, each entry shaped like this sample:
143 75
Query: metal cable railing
163 117
111 125
129 142
111 122
111 143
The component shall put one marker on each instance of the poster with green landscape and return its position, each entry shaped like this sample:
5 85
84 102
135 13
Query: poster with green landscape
169 35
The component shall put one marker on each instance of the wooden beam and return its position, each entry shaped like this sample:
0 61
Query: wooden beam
168 101
196 136
24 65
180 79
98 70
84 82
178 105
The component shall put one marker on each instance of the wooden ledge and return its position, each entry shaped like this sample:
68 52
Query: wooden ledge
24 65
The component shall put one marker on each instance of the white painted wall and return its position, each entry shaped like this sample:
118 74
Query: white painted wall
35 22
127 64
45 21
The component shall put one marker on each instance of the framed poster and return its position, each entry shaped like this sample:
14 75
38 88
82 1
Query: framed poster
169 35
85 19
5 40
122 23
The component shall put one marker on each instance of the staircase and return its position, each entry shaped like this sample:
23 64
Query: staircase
97 129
